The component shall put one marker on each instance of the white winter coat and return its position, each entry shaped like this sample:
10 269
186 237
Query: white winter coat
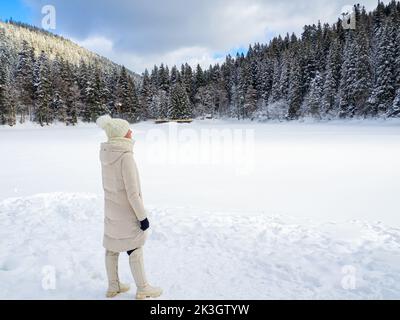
123 204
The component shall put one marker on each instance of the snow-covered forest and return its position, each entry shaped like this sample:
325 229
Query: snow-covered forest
328 72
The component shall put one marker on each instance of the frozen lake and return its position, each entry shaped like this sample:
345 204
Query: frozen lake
329 171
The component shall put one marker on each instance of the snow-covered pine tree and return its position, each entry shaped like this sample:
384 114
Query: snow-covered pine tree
284 80
179 104
383 92
356 75
187 81
276 92
348 78
312 102
394 109
295 90
58 106
72 94
267 71
25 81
159 105
111 84
329 107
175 76
123 101
308 53
256 78
94 95
204 101
227 78
43 92
136 113
240 91
250 102
363 84
4 89
220 97
89 94
163 78
146 93
58 109
200 79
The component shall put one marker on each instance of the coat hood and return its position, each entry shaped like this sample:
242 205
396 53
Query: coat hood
110 152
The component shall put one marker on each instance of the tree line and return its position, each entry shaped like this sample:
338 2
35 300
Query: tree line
327 72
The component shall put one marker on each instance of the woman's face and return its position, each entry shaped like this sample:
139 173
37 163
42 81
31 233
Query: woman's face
129 134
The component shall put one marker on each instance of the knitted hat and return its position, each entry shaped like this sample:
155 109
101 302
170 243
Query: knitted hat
114 128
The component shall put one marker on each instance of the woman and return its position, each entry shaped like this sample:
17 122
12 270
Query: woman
125 223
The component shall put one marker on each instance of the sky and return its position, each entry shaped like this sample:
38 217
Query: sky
140 34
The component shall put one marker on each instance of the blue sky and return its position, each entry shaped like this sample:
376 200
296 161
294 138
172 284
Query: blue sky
16 9
140 34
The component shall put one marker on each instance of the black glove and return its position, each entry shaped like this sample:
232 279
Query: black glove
145 224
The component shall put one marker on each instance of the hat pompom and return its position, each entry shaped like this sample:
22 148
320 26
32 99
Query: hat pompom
103 121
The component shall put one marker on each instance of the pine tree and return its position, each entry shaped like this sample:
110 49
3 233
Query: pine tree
4 90
57 108
188 82
362 86
8 90
313 101
240 91
384 88
123 97
72 101
25 81
284 81
205 101
42 90
179 103
276 93
200 80
111 99
250 102
329 101
175 76
394 109
146 93
163 78
135 113
356 76
59 89
159 105
295 91
97 100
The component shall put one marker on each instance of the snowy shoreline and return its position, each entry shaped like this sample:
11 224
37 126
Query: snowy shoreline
305 121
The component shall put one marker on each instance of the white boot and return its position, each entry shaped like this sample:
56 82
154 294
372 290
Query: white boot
114 286
144 289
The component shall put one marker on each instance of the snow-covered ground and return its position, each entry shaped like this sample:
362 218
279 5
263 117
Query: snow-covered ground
238 210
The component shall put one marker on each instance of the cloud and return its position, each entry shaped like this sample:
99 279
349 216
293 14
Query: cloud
143 33
138 62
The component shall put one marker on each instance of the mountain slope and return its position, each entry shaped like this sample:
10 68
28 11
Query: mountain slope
52 45
46 78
